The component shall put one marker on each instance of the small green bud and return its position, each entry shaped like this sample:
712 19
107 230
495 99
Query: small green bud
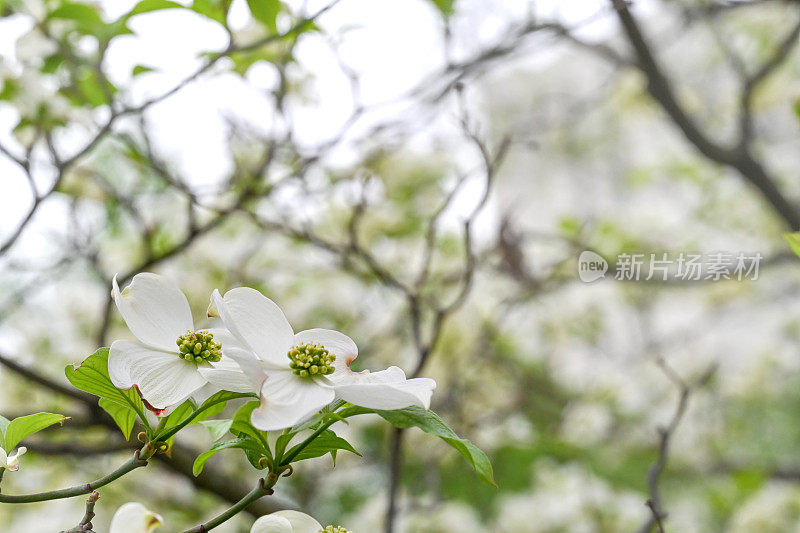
311 359
198 347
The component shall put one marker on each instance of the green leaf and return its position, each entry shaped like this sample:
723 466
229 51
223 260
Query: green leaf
241 425
123 416
794 241
216 403
282 442
4 422
141 69
179 414
52 63
176 417
147 6
213 9
430 423
243 428
92 376
326 442
244 444
186 413
313 422
83 13
217 428
266 12
445 7
797 108
21 427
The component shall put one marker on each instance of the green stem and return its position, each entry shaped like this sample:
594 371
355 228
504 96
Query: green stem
263 488
162 422
162 436
139 459
300 447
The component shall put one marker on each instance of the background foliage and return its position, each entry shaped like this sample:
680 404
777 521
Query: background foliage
422 176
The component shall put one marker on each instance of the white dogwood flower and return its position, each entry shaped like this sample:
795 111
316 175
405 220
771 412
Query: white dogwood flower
162 364
11 462
292 522
133 517
296 375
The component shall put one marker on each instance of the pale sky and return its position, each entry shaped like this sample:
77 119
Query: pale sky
392 45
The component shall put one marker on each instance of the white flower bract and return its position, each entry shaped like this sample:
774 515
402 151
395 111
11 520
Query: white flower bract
158 315
286 522
291 394
133 517
11 462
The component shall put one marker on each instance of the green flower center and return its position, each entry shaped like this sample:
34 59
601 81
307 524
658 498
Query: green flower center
199 346
334 529
311 359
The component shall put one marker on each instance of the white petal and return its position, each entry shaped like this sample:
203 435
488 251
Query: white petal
155 310
226 338
226 374
13 459
3 458
387 389
287 400
337 343
204 393
254 369
168 410
272 524
257 322
133 517
299 522
162 378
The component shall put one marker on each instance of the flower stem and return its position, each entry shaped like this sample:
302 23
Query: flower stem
162 422
284 461
164 435
139 459
263 488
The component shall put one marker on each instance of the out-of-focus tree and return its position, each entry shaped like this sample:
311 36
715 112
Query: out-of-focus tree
441 229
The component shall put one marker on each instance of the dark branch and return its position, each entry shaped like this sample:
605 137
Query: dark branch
739 158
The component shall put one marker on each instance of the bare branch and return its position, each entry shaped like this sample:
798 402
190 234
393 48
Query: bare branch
754 81
739 158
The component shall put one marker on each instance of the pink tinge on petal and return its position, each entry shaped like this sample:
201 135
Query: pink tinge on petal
150 408
339 344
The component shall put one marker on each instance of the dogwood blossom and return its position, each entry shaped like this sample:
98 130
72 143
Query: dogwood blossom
11 462
298 374
292 522
163 362
133 517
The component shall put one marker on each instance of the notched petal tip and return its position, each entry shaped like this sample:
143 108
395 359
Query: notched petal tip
114 287
212 311
154 521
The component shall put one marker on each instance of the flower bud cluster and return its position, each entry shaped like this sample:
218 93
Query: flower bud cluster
311 360
199 346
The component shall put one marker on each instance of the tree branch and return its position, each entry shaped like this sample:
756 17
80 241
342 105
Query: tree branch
739 158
